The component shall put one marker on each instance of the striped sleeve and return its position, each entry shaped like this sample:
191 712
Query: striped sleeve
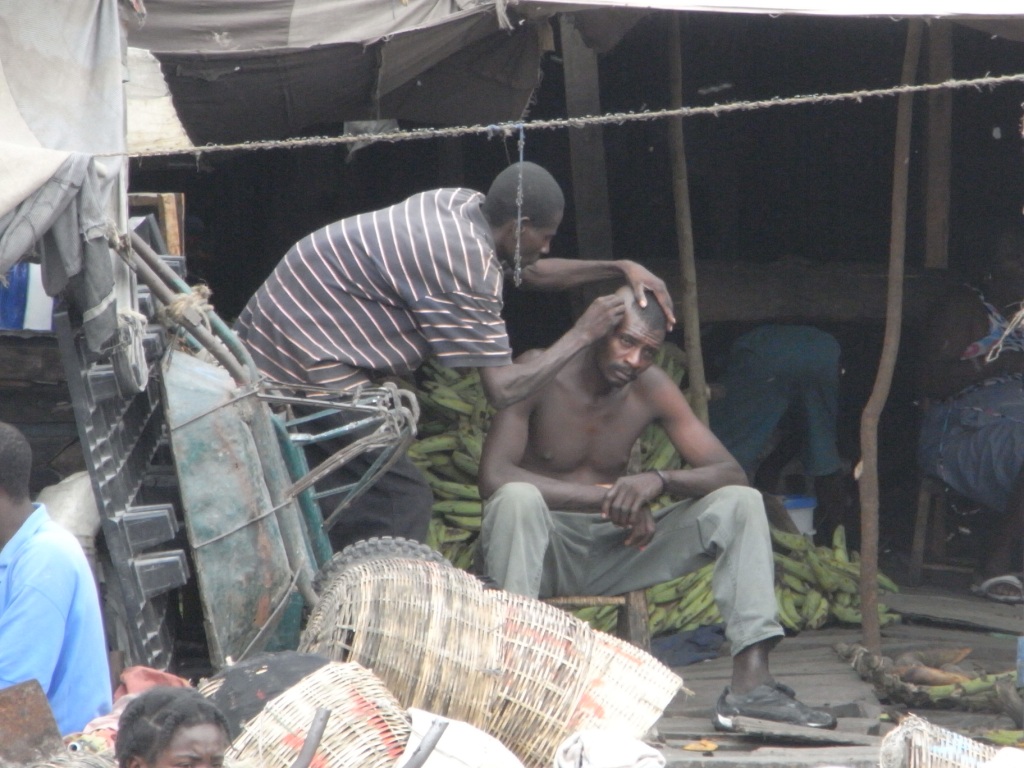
464 330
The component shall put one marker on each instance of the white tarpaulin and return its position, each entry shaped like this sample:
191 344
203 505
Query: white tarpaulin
257 70
62 103
250 70
234 26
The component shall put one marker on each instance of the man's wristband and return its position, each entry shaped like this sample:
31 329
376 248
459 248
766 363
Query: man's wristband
664 480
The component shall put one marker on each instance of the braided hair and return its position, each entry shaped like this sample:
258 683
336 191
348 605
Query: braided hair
150 721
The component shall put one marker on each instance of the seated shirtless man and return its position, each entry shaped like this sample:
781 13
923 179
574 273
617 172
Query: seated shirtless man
562 518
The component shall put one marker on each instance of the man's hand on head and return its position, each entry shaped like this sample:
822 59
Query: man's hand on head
641 280
601 318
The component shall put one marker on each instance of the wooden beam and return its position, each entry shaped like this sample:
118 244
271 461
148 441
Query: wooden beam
792 288
690 316
586 145
940 118
169 208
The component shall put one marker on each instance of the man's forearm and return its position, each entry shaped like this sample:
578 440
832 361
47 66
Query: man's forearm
693 483
558 274
509 384
558 494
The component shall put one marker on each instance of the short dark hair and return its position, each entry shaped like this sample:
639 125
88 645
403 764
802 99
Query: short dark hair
149 722
15 462
543 201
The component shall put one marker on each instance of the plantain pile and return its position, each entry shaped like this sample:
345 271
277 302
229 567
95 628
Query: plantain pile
814 585
817 584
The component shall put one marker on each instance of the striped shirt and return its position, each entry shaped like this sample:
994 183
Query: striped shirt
380 292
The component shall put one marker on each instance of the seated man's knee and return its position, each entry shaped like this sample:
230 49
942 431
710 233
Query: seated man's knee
513 505
744 504
517 495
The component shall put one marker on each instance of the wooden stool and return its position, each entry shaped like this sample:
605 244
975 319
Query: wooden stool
928 550
632 623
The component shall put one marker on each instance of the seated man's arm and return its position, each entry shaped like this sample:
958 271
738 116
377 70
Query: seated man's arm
503 456
508 384
710 466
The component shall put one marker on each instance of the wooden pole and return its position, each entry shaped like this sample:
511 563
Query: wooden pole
940 118
684 231
586 144
872 638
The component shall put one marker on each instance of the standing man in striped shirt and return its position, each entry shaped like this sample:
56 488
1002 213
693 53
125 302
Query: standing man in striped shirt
378 293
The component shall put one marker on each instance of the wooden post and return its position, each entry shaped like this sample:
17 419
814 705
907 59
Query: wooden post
868 483
940 117
586 145
690 318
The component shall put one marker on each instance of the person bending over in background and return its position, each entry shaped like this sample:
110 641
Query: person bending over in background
562 518
171 727
786 374
972 432
376 294
51 629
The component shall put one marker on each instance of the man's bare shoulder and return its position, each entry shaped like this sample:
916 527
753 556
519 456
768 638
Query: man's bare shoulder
657 389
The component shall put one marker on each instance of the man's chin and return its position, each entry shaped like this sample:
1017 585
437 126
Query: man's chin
621 379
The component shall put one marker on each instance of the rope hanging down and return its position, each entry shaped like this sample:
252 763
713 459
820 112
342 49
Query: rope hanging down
616 118
517 271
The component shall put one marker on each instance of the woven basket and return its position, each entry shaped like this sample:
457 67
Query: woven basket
916 743
367 727
626 689
523 671
428 630
544 668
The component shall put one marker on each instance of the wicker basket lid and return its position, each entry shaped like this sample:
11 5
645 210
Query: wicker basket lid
367 726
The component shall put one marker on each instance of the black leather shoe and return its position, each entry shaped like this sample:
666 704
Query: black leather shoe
768 702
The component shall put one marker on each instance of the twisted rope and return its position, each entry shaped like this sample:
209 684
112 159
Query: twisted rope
510 129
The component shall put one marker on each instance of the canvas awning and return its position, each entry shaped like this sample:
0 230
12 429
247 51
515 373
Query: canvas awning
61 105
209 72
257 70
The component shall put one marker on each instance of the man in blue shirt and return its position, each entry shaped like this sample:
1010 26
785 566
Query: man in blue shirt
51 629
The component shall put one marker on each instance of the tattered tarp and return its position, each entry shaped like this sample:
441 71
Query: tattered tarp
258 70
273 69
61 103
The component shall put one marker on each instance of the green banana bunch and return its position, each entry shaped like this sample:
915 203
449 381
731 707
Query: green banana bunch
821 583
789 614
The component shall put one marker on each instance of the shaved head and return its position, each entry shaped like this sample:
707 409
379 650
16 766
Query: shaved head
652 316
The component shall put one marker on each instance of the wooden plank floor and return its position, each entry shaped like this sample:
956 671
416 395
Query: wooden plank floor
957 608
809 664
